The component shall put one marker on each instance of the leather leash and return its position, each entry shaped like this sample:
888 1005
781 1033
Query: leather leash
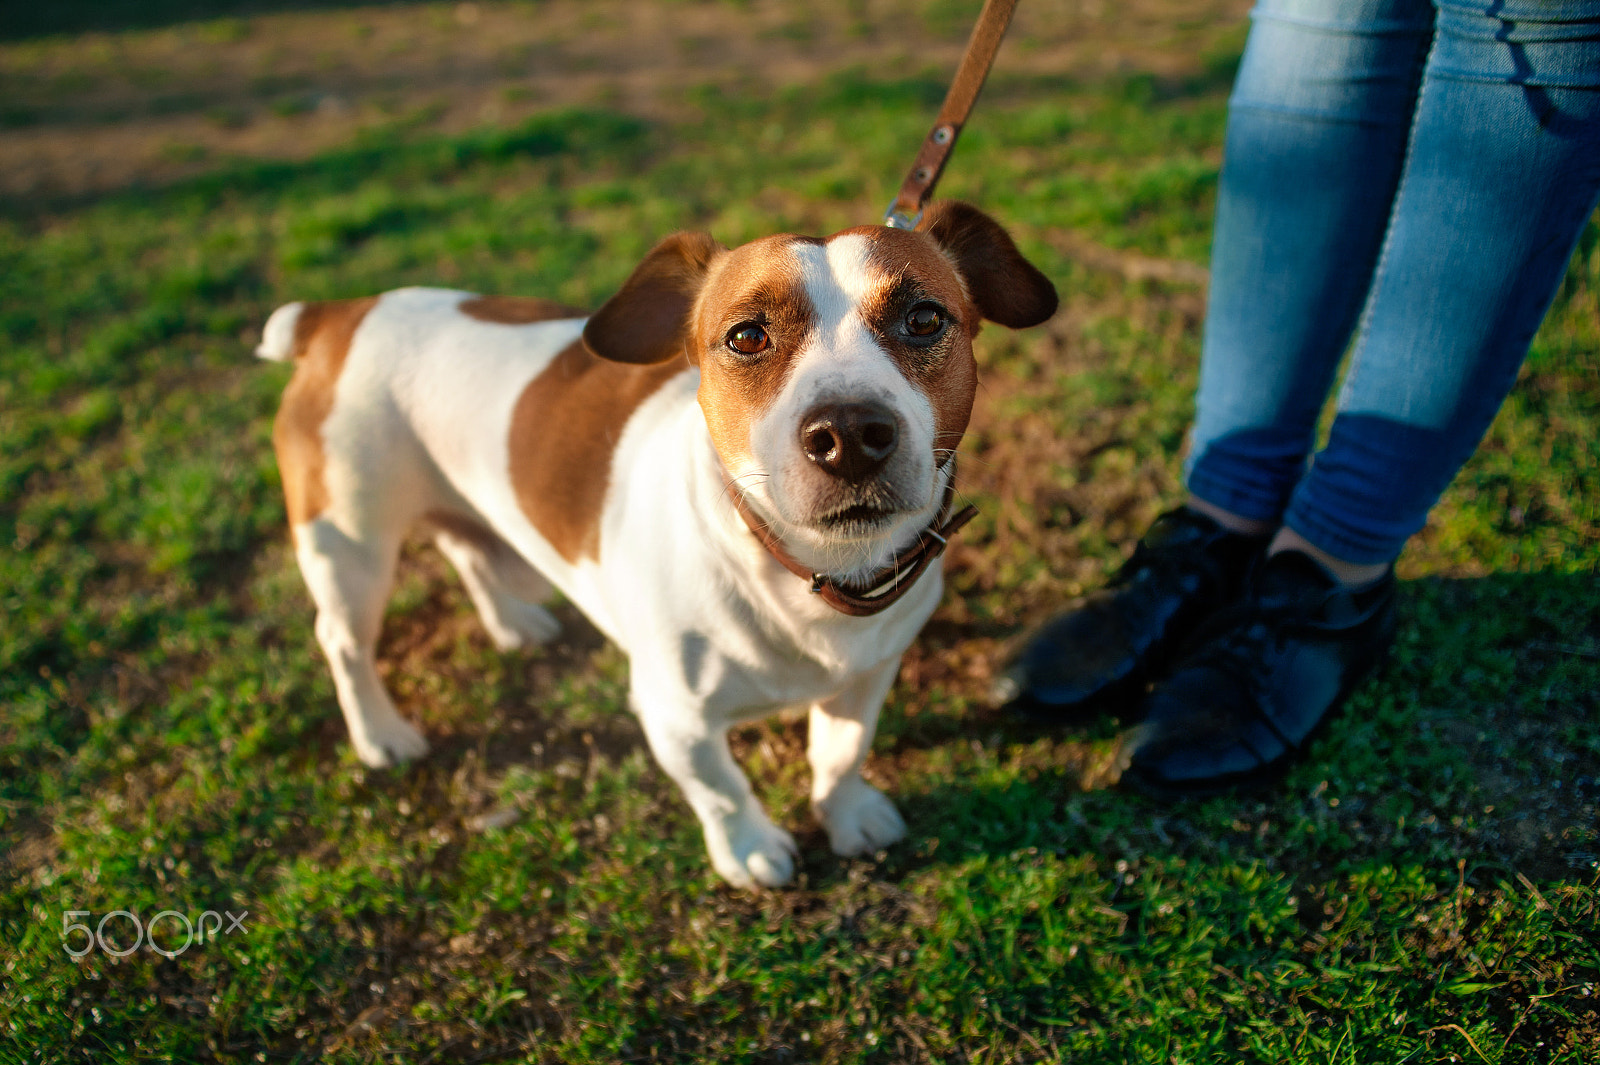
906 210
882 589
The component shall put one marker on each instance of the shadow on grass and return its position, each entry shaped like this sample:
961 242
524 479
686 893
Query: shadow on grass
1479 742
20 21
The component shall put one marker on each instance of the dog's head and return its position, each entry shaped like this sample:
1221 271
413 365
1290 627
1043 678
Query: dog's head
837 375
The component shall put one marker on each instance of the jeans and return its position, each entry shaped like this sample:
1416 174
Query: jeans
1418 177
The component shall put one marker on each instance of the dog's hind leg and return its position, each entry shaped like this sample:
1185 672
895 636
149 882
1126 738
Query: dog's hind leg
350 580
505 589
859 818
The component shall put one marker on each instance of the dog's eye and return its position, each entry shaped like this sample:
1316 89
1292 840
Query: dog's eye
748 339
925 320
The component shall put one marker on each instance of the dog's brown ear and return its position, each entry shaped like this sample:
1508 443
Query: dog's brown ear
1007 288
646 321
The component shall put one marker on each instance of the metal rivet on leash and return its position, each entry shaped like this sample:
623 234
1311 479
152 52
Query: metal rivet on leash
906 210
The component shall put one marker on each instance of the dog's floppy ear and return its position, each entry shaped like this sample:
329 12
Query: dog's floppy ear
646 321
1007 288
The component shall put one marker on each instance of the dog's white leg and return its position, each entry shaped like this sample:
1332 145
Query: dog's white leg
504 588
746 848
859 818
349 581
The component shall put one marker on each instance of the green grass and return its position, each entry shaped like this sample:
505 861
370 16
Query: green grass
1422 889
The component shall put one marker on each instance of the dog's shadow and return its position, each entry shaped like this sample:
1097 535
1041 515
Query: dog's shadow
1408 768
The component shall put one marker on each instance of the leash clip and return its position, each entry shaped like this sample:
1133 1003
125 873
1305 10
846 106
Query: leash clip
895 218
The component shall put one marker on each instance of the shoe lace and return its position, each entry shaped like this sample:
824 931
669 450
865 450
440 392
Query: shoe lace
1232 641
1231 645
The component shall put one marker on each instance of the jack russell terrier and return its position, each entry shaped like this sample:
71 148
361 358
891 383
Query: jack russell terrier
739 469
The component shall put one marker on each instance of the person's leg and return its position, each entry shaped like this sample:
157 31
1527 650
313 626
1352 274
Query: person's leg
1317 129
1316 136
1502 172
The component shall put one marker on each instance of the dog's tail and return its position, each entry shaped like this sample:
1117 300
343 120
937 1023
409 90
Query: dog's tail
277 336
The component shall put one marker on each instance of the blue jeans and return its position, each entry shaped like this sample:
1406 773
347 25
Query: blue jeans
1419 178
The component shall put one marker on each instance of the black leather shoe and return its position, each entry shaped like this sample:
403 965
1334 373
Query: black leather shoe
1108 644
1253 684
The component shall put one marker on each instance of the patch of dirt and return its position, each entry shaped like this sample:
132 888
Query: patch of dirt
1048 508
418 655
102 111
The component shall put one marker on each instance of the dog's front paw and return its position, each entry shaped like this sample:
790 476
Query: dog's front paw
755 854
395 742
860 819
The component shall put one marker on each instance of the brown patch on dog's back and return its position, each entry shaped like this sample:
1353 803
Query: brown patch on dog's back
564 429
322 336
516 310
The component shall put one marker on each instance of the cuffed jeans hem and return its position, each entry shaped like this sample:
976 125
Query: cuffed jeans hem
1346 545
1249 472
1251 505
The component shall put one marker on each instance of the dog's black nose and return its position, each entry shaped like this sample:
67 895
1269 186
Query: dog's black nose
851 441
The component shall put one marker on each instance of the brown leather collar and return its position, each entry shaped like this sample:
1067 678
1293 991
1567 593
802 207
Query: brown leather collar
882 589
